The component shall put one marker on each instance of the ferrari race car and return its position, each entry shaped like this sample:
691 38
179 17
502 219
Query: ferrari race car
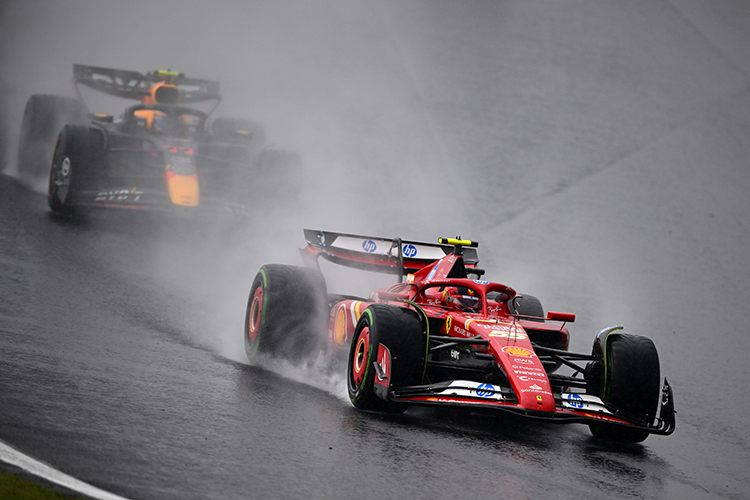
163 152
442 335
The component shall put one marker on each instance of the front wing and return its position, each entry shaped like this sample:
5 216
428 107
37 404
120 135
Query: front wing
569 407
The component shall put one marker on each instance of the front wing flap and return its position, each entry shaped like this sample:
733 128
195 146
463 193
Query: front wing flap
569 407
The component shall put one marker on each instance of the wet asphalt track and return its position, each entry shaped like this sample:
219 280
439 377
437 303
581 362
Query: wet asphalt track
606 146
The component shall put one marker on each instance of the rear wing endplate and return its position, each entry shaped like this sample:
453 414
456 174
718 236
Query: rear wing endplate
370 253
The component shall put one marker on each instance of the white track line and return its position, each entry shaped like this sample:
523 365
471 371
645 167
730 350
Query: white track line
14 457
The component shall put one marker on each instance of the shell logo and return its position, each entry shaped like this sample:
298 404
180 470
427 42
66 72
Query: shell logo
517 351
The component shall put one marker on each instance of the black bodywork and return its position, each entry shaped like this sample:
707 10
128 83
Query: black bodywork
163 153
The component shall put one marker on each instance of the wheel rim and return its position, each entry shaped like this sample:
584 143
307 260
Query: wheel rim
255 316
359 360
62 179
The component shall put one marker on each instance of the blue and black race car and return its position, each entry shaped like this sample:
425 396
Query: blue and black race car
163 152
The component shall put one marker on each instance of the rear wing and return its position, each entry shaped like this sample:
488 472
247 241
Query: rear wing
382 255
134 85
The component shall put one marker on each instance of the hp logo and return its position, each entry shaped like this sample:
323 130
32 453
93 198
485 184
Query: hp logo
369 246
409 251
575 400
485 390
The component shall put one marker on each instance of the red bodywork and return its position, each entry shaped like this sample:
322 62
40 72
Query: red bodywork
510 341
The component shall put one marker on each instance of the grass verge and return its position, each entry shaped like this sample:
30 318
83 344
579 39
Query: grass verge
15 488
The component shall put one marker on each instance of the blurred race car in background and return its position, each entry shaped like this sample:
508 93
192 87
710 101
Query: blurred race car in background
162 153
444 336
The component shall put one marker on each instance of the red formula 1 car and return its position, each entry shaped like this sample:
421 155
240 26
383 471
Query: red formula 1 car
444 336
162 153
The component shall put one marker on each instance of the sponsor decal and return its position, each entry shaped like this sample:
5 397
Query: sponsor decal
525 360
575 400
448 321
369 246
485 390
509 335
517 351
532 368
409 250
460 331
536 390
524 378
524 372
118 195
481 282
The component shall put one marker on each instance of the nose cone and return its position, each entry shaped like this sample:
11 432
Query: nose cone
183 189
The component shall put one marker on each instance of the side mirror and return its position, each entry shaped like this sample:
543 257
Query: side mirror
557 316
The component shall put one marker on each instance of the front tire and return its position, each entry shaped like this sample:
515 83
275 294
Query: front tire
79 150
401 331
526 305
285 316
626 375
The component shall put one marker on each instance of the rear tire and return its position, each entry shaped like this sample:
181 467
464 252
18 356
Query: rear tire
626 375
43 117
400 330
78 153
286 313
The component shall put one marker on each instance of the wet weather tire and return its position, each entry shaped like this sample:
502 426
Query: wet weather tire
286 313
78 152
400 330
628 378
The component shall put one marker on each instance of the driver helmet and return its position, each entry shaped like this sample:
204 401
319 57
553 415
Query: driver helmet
154 121
460 298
